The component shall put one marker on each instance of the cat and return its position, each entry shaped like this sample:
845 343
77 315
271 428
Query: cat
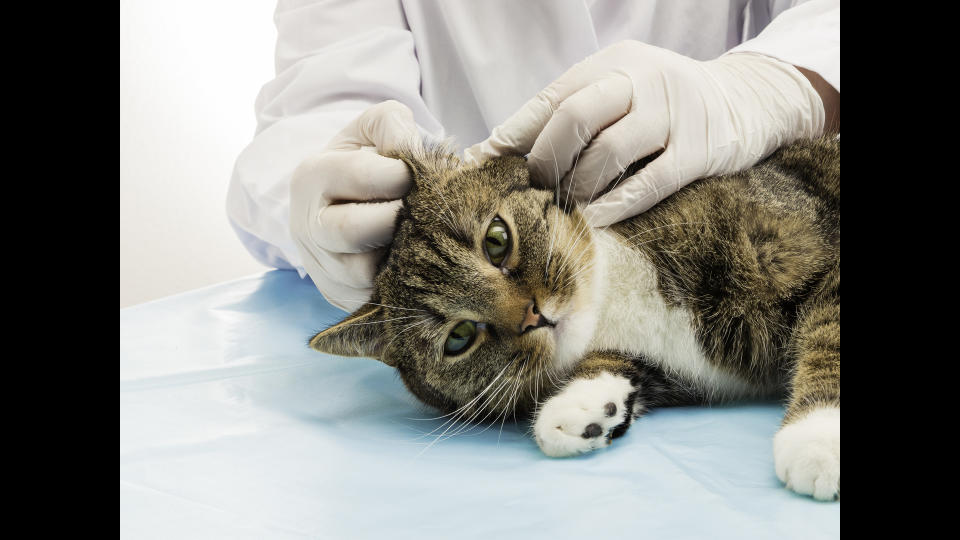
497 298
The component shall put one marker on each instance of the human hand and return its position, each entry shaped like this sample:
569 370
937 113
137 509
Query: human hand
630 100
344 200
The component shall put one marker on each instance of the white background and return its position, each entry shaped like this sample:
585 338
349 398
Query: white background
189 74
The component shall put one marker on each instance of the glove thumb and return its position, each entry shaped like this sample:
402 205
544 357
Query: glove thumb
637 194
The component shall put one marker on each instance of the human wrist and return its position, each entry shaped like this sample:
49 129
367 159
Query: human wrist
777 99
829 96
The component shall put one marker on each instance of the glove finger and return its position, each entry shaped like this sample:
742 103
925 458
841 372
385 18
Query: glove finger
635 136
637 194
517 134
387 126
354 270
577 120
357 175
354 227
342 296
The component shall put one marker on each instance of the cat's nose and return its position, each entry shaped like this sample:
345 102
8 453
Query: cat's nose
533 319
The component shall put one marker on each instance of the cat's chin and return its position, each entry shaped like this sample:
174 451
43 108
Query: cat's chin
577 319
575 326
571 337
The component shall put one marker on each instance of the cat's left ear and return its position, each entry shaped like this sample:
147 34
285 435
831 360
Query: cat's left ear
360 334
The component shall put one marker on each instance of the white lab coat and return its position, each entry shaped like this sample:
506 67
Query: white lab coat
464 66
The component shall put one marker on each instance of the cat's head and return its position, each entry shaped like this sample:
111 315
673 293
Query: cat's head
488 293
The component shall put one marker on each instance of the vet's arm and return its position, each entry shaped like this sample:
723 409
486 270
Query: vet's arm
631 100
334 61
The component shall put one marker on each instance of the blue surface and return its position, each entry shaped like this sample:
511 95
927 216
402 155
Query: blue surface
230 427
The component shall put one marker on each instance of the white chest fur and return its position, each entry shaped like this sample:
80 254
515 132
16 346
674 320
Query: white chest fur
634 318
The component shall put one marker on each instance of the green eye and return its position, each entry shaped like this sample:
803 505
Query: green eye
497 241
460 337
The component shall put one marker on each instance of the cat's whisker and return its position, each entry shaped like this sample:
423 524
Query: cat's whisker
536 388
449 210
665 226
554 236
623 212
495 406
445 215
515 398
571 279
564 278
524 381
585 228
575 262
556 197
471 402
453 421
408 327
471 423
599 176
576 160
572 248
386 320
375 304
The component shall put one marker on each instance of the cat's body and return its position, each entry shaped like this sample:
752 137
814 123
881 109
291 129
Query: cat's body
498 299
638 321
744 257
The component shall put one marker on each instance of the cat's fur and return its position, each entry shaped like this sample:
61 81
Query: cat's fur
727 289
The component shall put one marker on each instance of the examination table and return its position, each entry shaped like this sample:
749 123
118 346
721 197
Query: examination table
231 427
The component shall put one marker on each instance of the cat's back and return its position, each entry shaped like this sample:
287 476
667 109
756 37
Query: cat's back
743 253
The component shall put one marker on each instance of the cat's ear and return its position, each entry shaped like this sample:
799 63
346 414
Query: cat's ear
430 164
360 334
420 170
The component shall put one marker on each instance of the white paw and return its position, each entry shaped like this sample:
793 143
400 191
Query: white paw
806 454
581 417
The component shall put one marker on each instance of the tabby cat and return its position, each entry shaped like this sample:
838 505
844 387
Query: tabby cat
497 298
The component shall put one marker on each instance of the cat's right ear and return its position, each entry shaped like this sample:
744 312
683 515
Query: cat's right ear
360 334
418 169
429 164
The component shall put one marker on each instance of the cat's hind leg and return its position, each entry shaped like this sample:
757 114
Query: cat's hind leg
806 450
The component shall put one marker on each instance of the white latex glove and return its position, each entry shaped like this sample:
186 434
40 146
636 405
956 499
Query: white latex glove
344 200
631 99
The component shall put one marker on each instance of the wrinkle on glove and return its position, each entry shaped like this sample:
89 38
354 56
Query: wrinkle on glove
344 202
632 99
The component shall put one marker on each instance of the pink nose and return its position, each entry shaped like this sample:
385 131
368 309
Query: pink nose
533 318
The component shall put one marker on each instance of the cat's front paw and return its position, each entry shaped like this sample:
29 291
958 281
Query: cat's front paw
584 415
806 454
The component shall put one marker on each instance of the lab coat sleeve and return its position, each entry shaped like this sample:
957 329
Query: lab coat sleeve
807 35
333 60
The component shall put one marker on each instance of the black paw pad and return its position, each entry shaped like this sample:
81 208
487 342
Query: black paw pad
610 409
593 430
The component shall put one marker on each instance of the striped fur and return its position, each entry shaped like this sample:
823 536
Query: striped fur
728 288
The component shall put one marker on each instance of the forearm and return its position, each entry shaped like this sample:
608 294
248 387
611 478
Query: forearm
830 97
807 35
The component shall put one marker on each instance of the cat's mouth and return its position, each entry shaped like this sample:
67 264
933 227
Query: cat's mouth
575 322
570 331
540 322
575 315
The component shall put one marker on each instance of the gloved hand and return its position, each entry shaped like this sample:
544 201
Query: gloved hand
344 200
631 99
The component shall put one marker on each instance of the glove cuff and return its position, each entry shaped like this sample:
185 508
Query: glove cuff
779 102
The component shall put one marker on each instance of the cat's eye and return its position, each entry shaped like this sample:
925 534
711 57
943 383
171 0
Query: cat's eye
460 337
497 241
